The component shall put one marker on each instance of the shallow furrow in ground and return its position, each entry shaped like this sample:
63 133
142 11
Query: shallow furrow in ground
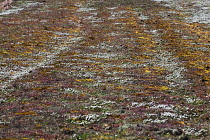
31 42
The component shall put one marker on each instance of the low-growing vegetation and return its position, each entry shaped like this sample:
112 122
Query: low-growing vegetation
103 69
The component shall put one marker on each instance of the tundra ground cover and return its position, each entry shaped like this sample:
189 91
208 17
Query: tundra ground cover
103 70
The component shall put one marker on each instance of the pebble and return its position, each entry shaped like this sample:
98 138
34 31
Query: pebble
68 132
122 111
2 100
175 132
184 137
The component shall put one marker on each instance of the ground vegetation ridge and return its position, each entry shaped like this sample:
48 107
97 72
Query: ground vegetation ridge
103 69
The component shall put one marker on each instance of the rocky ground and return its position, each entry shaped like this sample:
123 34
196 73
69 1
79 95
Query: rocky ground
108 69
5 4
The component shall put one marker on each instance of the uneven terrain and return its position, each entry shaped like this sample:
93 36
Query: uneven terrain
103 69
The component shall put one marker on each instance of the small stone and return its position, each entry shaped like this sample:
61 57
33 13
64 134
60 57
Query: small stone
139 127
184 137
32 71
154 129
108 128
176 132
68 132
204 80
91 37
2 100
166 131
